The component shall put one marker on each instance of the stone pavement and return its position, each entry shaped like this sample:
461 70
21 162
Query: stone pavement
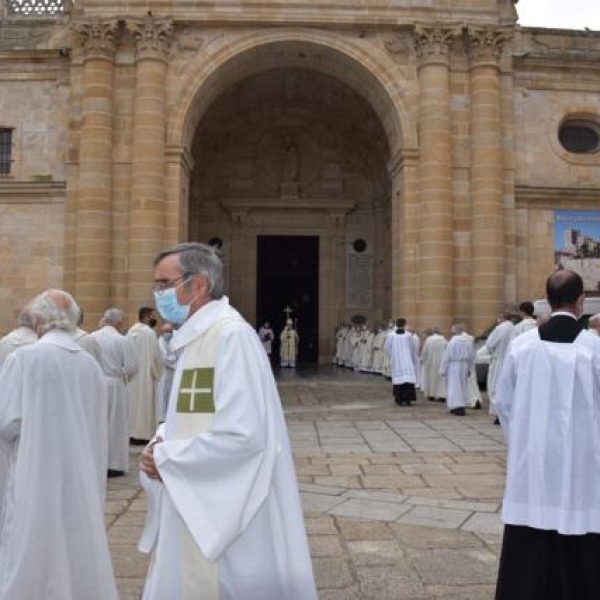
400 503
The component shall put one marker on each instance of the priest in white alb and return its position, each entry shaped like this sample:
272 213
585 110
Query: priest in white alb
434 384
458 361
548 402
118 361
527 322
225 520
404 363
143 388
53 420
22 335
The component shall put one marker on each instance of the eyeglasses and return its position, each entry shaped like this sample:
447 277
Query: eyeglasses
161 286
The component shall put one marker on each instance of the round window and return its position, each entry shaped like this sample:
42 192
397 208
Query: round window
359 245
580 136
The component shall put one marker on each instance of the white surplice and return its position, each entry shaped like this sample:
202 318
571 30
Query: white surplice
53 422
118 361
434 385
474 397
458 361
525 325
144 386
21 336
497 344
87 342
548 401
404 358
166 379
230 489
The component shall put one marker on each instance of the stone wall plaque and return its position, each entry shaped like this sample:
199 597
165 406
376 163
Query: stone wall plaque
359 279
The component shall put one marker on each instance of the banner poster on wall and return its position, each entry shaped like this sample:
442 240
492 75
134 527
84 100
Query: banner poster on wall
577 245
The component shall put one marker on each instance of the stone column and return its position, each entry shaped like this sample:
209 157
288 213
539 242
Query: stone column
436 264
147 208
93 233
486 180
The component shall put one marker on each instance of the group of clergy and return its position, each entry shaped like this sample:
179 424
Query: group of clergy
138 366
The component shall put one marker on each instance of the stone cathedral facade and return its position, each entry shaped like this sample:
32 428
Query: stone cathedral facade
413 152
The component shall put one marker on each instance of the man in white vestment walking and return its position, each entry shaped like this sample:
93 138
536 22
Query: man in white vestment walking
548 401
225 520
143 388
527 321
434 384
84 339
267 335
23 335
458 361
474 398
53 420
497 345
404 360
118 361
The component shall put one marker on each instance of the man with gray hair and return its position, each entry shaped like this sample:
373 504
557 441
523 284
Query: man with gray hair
23 335
225 518
118 361
53 419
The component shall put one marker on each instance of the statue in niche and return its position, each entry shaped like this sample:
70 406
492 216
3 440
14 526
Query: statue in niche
289 183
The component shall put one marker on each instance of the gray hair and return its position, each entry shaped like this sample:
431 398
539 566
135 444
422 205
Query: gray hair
24 319
594 319
54 309
198 259
457 329
112 316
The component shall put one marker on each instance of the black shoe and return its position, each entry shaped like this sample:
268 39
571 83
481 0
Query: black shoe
477 405
431 399
459 412
496 421
138 442
114 473
443 400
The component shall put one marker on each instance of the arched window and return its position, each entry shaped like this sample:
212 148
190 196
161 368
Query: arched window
5 150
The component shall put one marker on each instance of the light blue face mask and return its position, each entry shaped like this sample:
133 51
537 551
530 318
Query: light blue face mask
169 308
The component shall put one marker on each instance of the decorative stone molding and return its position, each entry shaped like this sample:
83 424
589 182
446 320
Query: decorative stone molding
39 8
153 37
433 44
97 39
485 45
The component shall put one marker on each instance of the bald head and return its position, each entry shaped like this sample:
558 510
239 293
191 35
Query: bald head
54 309
564 289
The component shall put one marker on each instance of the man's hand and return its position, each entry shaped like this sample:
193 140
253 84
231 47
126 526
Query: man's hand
147 464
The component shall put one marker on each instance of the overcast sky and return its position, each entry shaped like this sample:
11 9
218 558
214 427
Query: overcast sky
561 14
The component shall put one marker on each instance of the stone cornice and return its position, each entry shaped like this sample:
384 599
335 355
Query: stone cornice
97 38
153 36
556 196
31 192
247 205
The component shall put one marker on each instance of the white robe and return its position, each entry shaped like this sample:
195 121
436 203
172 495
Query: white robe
548 401
434 385
143 387
289 346
21 336
458 361
404 359
497 345
266 336
338 359
525 325
87 342
53 421
231 488
166 379
473 392
119 364
365 359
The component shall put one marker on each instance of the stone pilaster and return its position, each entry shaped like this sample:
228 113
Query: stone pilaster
147 208
97 41
435 261
486 179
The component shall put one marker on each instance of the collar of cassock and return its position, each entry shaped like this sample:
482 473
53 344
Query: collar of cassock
198 323
60 338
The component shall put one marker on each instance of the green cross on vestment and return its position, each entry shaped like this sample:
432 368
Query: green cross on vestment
196 391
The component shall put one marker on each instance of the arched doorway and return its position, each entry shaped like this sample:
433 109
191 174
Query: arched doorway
294 139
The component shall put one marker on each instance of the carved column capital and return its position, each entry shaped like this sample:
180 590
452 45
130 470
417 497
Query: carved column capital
153 37
433 43
485 45
97 39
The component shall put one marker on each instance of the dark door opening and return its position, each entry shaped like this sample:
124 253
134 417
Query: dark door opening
288 275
